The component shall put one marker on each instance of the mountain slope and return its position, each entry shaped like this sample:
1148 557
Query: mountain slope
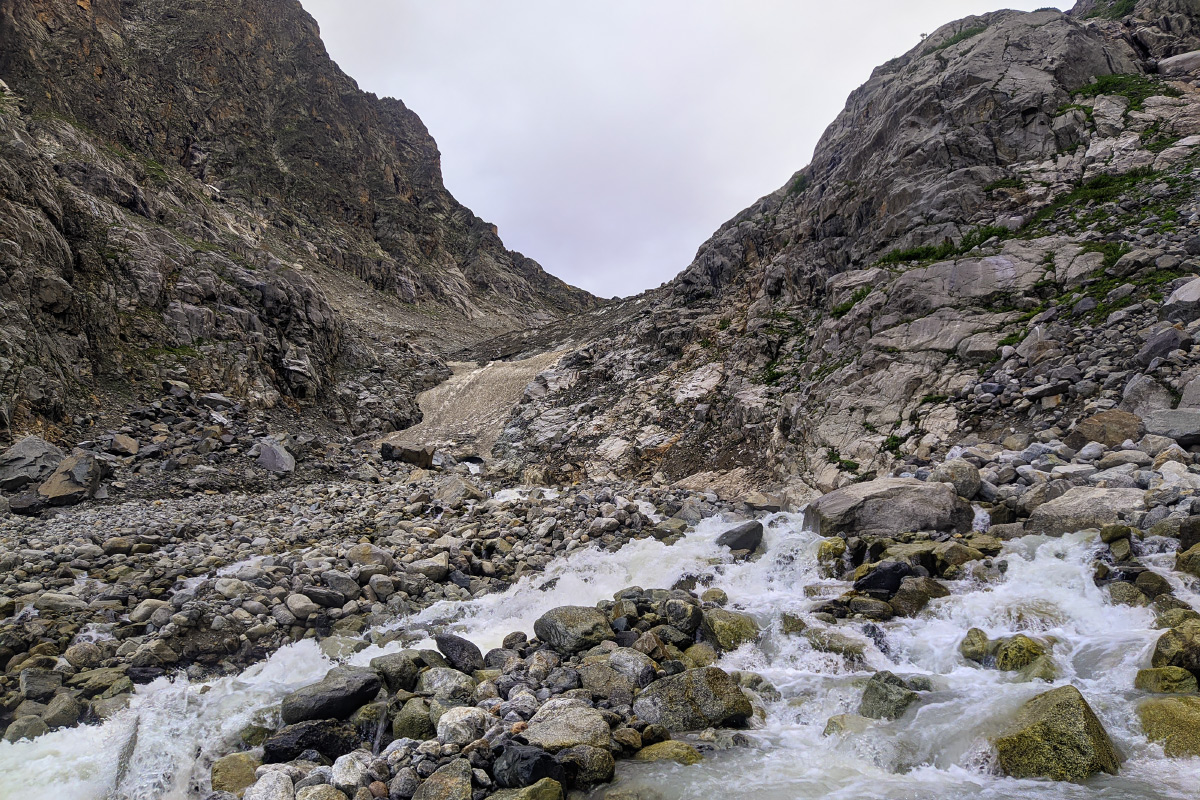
921 279
195 189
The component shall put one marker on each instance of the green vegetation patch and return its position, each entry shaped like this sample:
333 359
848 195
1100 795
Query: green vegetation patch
1136 88
945 250
1112 9
961 36
842 309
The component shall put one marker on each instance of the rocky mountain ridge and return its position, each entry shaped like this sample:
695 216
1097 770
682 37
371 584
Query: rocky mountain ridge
986 239
196 192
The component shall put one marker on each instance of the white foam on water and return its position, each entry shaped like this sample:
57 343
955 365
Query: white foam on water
940 750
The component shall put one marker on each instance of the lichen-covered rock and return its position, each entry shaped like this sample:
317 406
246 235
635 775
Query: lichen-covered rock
729 630
1173 722
544 789
1018 652
1056 735
560 724
1166 680
694 699
670 750
335 697
569 629
234 773
886 696
1179 647
451 782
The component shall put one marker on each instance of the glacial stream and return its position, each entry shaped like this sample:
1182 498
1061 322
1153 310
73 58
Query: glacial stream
163 745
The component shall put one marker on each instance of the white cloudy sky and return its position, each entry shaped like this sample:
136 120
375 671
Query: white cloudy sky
609 138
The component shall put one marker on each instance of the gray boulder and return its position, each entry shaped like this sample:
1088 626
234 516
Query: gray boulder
337 696
560 724
886 696
274 457
76 479
1181 424
746 536
692 700
1083 507
569 629
892 505
30 460
961 474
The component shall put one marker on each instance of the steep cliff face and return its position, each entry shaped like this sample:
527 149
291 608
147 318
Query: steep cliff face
962 225
195 189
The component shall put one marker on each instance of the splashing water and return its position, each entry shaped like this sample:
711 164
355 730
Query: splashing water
940 751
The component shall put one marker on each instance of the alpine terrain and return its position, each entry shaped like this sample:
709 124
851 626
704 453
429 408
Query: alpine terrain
310 489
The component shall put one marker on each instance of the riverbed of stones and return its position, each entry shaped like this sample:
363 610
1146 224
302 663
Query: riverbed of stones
100 597
530 719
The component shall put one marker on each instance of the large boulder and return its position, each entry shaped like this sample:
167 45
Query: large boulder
961 474
462 654
337 696
1189 561
76 479
234 773
1174 722
520 765
1083 507
569 629
1179 647
399 670
886 696
328 737
560 724
746 536
1183 305
30 460
1180 424
451 782
692 700
728 630
892 505
1056 735
1109 428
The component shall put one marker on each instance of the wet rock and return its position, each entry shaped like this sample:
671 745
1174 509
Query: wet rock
728 630
840 724
746 536
234 773
1173 722
914 594
451 782
672 750
29 461
1166 680
545 789
884 579
445 684
335 697
569 629
1018 652
1189 561
1056 735
892 505
26 727
330 738
63 711
1179 647
522 765
695 699
976 646
886 697
589 765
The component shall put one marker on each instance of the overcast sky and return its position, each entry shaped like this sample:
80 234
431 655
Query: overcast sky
608 139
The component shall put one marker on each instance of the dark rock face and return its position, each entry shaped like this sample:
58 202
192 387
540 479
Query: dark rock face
747 536
328 737
336 697
218 195
463 655
31 460
518 765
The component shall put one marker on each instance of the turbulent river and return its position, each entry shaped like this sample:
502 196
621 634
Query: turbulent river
161 747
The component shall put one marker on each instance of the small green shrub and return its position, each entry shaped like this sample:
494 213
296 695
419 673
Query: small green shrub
842 309
933 399
1134 87
1004 183
798 186
961 36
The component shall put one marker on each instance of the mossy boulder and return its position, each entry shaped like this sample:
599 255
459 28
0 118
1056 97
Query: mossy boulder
841 724
670 750
830 641
1018 652
975 646
1166 680
886 696
234 773
413 721
1056 735
545 789
695 699
1173 722
1189 561
569 629
728 630
1179 647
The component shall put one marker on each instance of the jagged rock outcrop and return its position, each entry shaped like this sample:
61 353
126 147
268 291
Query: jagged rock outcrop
195 190
982 243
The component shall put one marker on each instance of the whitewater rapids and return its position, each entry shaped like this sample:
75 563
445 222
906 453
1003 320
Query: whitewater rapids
163 745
